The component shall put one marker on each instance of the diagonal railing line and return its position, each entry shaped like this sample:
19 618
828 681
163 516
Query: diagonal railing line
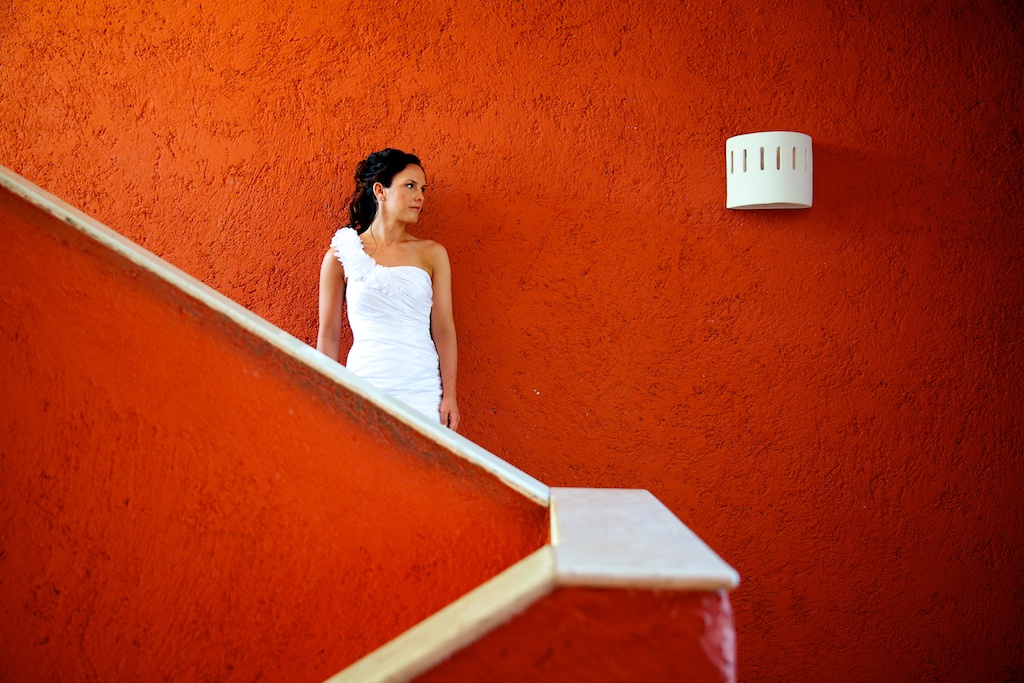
293 347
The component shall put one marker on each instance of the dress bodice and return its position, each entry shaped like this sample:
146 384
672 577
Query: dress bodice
389 313
402 291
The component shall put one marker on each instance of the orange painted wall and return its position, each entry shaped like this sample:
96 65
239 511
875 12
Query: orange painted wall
831 398
183 502
591 635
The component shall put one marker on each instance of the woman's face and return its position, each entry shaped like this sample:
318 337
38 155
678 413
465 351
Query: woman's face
404 199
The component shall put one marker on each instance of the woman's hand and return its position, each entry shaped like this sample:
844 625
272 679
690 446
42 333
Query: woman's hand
449 413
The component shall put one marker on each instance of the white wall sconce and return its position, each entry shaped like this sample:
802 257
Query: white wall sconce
771 170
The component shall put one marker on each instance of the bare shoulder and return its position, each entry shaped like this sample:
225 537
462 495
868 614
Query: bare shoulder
431 254
331 266
432 251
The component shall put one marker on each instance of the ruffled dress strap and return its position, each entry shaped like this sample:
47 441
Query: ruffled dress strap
348 249
360 266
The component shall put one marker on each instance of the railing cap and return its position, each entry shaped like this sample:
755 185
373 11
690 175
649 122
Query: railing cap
628 538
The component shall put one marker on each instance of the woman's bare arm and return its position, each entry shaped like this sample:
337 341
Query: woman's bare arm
442 329
332 296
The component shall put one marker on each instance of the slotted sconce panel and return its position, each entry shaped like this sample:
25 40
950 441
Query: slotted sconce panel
771 170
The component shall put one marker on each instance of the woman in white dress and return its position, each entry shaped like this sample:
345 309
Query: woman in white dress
397 288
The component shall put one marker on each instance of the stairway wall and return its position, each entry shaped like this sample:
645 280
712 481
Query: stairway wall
592 635
184 501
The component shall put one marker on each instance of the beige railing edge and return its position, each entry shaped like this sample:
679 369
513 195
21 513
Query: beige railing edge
627 538
271 334
460 623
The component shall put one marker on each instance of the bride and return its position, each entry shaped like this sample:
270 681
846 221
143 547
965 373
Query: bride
398 290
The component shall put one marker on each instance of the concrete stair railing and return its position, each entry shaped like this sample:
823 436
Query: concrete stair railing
624 591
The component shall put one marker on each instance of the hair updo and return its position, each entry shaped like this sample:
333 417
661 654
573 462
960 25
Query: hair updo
380 167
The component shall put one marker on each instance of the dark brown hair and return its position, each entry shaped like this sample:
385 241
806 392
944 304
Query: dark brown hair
380 167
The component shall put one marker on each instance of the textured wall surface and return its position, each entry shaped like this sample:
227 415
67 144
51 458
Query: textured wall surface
830 398
588 635
183 502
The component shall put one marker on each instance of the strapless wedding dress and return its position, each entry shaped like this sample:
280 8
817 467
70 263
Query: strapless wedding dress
389 312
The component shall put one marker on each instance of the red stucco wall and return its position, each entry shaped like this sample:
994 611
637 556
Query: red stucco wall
590 635
831 398
183 502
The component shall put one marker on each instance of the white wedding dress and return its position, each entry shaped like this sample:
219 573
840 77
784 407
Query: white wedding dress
389 312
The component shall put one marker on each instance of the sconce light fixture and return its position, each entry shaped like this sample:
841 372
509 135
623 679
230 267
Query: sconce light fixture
771 170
